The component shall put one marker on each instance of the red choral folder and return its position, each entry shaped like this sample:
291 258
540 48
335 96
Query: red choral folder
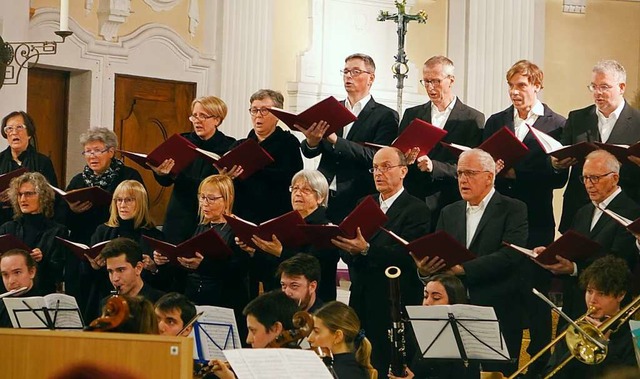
5 179
80 249
9 241
329 110
249 154
209 244
419 134
632 226
578 151
96 195
367 215
285 227
571 245
503 144
620 151
439 244
177 147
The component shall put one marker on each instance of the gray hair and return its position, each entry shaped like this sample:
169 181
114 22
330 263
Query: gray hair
316 181
609 160
447 64
609 66
485 159
107 136
275 96
368 61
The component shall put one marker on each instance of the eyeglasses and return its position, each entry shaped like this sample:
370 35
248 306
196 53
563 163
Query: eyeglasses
27 194
433 82
383 169
263 111
208 199
355 72
95 153
303 190
200 117
468 173
124 200
14 128
599 88
594 179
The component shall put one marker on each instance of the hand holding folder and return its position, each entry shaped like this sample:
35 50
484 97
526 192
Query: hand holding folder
329 110
418 134
367 216
80 249
439 244
553 147
209 244
249 155
95 195
572 246
285 227
176 147
503 144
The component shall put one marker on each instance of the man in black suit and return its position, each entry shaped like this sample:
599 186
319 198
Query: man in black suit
610 120
367 260
532 180
600 175
432 178
344 157
481 221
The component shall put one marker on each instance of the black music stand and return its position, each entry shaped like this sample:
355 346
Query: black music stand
48 317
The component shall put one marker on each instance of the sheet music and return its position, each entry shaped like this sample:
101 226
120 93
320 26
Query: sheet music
276 364
217 330
548 143
68 315
29 312
469 325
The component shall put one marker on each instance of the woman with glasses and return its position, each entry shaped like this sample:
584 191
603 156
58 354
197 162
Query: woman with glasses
207 114
19 130
309 196
215 282
32 199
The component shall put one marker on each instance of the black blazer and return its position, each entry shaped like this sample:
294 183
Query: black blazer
409 218
349 160
440 187
612 237
535 177
582 125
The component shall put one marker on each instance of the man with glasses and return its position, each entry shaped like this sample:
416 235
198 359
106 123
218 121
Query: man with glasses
432 178
481 221
343 154
409 218
600 176
611 120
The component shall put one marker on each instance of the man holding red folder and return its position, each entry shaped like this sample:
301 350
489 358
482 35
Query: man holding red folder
344 157
432 178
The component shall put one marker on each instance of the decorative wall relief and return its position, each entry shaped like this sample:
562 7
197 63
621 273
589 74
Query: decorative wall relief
112 14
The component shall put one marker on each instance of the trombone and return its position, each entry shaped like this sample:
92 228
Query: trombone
586 342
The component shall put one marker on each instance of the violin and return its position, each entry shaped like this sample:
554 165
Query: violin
302 328
115 312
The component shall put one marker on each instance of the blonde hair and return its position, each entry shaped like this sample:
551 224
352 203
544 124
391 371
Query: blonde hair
46 196
224 184
339 316
142 216
213 105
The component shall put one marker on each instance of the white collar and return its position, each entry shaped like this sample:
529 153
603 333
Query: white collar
483 204
605 203
391 199
615 113
434 107
537 109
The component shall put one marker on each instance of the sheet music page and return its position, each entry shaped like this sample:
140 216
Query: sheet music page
548 143
276 364
217 330
20 314
68 315
468 317
427 331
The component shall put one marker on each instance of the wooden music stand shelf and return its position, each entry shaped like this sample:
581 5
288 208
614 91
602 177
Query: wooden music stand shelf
37 354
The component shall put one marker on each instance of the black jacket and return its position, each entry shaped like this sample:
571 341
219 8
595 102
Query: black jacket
182 212
37 231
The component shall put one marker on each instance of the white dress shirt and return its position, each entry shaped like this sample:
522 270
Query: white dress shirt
386 204
597 213
438 118
474 214
605 124
520 125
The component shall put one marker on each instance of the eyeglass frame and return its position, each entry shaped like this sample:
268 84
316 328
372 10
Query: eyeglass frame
469 173
433 82
594 179
95 153
27 194
263 111
384 169
202 198
354 73
124 200
200 117
602 88
14 128
305 191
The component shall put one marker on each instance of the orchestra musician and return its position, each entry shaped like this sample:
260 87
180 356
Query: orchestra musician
606 282
337 327
299 279
18 270
174 311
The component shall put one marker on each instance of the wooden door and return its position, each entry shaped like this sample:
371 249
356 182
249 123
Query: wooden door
147 112
48 104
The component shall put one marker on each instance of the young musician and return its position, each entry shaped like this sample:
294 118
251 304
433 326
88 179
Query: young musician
18 269
299 279
174 311
606 282
337 327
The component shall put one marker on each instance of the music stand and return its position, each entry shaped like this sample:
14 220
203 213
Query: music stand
463 332
26 316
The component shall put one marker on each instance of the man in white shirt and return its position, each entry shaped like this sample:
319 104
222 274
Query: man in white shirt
345 158
610 120
481 221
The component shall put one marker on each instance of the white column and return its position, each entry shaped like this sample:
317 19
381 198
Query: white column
246 58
